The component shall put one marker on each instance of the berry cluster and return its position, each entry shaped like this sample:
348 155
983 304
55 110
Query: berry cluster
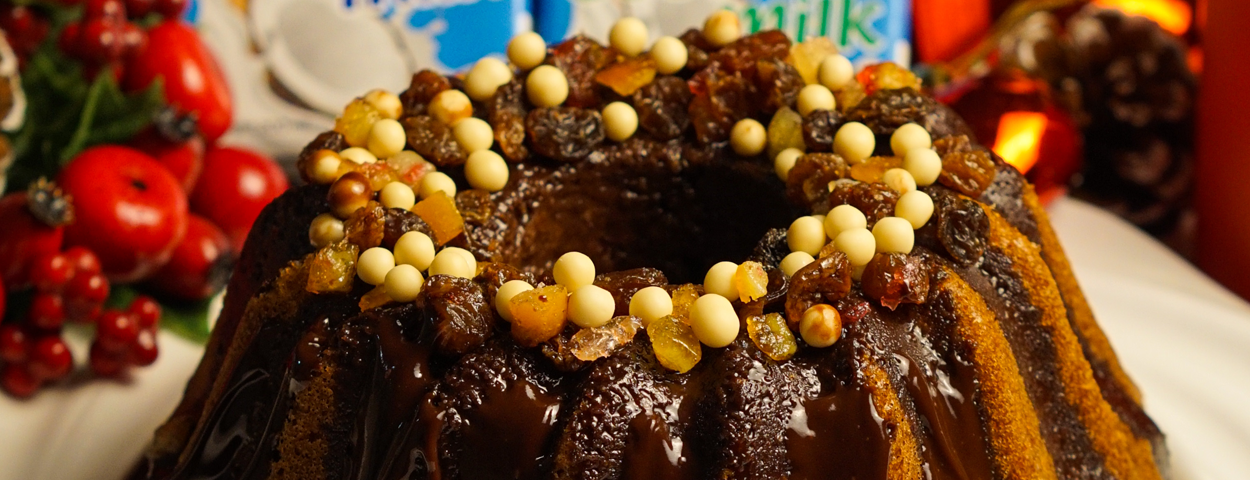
24 27
105 36
125 338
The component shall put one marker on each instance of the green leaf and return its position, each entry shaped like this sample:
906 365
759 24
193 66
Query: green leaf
185 319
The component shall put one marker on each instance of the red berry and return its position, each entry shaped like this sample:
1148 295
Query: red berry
235 185
50 273
170 8
2 299
138 8
201 263
113 10
100 41
68 41
145 351
14 344
85 262
104 362
47 311
116 331
24 28
26 235
191 79
146 311
18 381
134 39
89 289
51 359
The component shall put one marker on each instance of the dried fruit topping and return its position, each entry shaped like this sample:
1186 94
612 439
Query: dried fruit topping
333 268
772 336
409 167
969 173
379 174
374 299
825 280
366 226
590 344
683 297
721 99
952 144
819 128
440 213
627 77
876 200
330 140
741 55
778 83
662 107
565 134
885 110
751 281
539 314
356 122
895 278
697 49
399 222
461 317
785 130
433 140
849 96
425 85
887 76
873 168
674 344
580 58
806 56
808 183
962 228
507 118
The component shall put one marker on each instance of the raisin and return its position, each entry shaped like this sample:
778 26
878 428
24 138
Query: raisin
580 58
962 228
970 173
475 205
808 183
825 280
661 107
366 226
876 200
624 284
885 110
952 144
400 221
433 140
461 318
720 101
566 134
509 129
697 49
771 249
330 140
778 83
849 96
819 128
895 278
742 55
425 85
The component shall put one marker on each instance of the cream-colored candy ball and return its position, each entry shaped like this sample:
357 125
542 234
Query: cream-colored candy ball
806 234
453 261
714 320
358 156
842 218
858 244
397 195
815 97
591 306
325 169
651 303
546 86
894 235
325 229
403 283
628 36
387 103
503 296
468 258
486 170
416 249
670 55
899 180
785 161
835 72
722 28
436 181
909 137
820 326
924 164
373 265
574 270
527 50
748 137
720 280
620 121
450 106
485 78
916 207
854 142
794 262
473 134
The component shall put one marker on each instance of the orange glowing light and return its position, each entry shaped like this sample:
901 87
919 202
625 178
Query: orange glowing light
1019 139
1173 15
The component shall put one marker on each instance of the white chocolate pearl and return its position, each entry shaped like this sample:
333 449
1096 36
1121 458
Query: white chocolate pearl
397 195
450 106
714 320
503 297
436 181
546 86
325 229
843 218
451 262
468 258
620 120
854 142
527 50
916 207
899 180
818 324
806 234
909 137
722 28
591 306
785 161
820 217
859 245
574 270
628 36
387 103
403 283
670 55
386 138
473 134
835 72
720 280
748 137
373 265
485 78
794 262
416 249
650 304
924 164
358 155
486 170
326 168
815 97
894 235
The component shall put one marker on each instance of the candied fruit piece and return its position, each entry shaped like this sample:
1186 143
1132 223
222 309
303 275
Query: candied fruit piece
539 314
457 307
378 173
825 280
806 56
785 130
772 336
356 122
894 278
661 107
627 77
969 173
580 58
751 281
674 344
366 226
962 228
887 76
778 83
809 179
590 344
565 134
819 128
333 268
374 299
876 200
440 213
683 297
433 140
409 167
849 96
873 168
424 86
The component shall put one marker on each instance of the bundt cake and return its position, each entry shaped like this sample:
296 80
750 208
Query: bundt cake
528 272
